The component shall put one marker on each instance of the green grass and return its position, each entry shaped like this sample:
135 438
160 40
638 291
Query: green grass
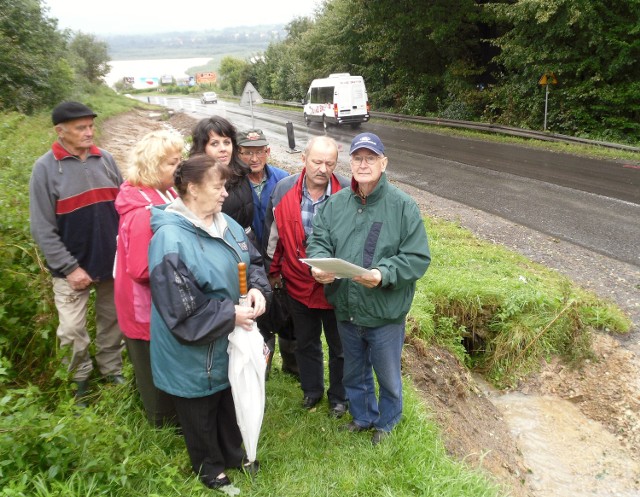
109 449
514 313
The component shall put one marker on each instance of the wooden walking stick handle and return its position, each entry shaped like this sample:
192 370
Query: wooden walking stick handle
242 279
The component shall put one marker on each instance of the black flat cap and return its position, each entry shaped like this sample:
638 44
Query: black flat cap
68 111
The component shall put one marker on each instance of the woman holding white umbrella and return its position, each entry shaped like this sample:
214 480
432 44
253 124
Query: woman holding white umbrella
193 261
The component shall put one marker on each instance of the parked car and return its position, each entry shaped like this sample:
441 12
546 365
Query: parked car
209 97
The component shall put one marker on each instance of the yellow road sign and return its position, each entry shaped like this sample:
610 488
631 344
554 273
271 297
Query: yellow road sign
548 78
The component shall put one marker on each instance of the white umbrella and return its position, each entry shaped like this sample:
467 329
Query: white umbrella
247 367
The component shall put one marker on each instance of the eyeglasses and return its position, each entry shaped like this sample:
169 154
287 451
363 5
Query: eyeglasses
258 153
369 159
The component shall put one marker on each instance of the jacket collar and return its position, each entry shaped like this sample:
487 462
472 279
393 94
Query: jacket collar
377 193
335 183
216 230
59 152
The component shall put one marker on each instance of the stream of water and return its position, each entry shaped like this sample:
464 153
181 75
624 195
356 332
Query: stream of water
568 455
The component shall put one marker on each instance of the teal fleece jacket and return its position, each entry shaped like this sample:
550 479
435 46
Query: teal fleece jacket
383 231
193 275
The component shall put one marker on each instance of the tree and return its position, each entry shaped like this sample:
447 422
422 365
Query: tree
281 75
592 47
34 70
414 56
234 74
91 57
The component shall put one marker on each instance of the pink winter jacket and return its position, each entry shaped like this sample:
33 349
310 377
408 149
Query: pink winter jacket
131 285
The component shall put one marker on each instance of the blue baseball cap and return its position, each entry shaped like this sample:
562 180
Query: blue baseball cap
368 141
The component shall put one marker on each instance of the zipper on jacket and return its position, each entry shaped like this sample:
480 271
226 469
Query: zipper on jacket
209 364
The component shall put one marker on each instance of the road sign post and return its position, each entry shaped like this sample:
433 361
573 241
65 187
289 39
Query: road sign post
546 79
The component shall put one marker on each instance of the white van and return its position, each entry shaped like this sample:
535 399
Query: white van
338 99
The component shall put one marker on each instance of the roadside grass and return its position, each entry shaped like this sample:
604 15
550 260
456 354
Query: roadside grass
109 449
500 312
496 310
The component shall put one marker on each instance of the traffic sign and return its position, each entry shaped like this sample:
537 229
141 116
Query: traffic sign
250 96
547 78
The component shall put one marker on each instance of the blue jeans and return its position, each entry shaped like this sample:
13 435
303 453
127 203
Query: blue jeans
369 350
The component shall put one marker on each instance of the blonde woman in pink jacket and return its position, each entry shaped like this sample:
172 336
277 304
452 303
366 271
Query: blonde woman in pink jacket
149 182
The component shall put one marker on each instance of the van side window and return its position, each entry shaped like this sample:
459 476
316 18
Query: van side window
322 95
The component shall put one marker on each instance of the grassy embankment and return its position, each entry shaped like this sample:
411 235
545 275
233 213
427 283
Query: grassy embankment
523 311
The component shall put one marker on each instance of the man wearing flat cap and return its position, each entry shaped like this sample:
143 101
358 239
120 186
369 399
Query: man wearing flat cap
377 226
73 220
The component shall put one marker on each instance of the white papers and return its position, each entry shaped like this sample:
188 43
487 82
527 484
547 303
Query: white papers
339 267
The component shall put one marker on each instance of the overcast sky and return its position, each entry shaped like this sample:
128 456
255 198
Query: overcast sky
102 17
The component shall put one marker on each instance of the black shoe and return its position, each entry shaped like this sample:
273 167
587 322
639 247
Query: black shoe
310 402
337 410
216 483
379 436
115 379
82 392
352 427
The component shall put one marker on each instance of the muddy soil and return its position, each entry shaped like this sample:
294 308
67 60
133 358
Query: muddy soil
561 432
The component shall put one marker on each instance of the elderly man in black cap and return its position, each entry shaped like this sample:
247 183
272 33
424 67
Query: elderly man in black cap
73 220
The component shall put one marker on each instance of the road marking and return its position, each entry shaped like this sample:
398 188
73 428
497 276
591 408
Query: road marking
629 166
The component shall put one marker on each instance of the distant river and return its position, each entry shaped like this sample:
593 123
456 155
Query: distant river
151 69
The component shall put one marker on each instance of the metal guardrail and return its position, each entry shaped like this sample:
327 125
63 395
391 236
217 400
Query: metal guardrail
487 128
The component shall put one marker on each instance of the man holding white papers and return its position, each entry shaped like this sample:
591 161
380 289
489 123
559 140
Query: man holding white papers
376 226
294 203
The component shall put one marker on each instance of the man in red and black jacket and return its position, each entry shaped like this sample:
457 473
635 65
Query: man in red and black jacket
288 224
73 219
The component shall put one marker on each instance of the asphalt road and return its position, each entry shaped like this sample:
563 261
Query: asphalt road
589 202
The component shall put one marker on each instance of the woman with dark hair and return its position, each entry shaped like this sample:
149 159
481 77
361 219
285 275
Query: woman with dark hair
193 266
216 137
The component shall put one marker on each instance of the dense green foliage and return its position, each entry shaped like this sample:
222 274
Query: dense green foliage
92 57
473 60
40 65
592 47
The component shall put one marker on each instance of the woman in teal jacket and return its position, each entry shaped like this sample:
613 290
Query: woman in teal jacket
193 265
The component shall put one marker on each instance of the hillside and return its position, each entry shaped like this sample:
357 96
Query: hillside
239 42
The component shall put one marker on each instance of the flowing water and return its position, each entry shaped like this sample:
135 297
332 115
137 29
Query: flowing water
568 455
